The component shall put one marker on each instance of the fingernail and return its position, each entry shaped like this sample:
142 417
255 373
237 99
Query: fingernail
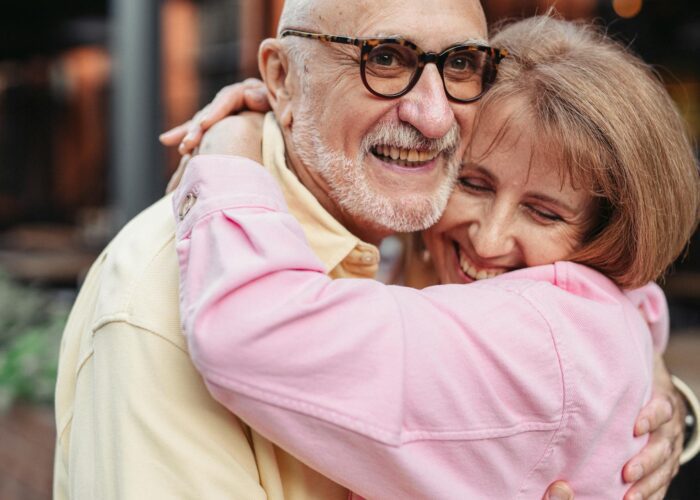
559 493
182 149
635 472
643 426
636 496
202 119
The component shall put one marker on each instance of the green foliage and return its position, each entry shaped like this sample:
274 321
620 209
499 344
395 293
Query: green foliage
31 323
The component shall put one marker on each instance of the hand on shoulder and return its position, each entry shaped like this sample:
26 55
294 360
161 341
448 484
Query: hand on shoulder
239 135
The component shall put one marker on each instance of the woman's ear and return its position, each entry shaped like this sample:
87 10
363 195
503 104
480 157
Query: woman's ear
274 68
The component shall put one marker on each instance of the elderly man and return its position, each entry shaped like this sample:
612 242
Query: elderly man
357 162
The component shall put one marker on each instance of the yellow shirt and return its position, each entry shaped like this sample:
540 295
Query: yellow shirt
134 419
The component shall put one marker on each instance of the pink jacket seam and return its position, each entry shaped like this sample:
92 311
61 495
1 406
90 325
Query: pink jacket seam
568 406
367 429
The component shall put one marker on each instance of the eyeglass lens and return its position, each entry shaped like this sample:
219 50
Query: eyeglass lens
391 68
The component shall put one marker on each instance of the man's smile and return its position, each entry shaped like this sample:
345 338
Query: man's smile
404 157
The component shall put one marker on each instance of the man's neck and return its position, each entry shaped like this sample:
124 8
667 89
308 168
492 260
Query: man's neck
366 231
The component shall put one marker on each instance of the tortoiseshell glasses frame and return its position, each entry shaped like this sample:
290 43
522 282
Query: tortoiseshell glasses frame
391 67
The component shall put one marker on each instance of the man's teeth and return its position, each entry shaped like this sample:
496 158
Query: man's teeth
474 273
409 155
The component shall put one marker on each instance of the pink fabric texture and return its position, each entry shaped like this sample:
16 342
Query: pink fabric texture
488 390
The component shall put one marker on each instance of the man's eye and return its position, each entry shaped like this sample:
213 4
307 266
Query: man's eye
459 63
384 59
391 56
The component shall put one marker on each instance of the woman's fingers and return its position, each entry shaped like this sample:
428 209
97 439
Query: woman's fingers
175 135
256 99
232 99
192 138
248 95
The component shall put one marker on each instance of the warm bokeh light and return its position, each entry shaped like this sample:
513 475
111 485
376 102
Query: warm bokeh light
627 8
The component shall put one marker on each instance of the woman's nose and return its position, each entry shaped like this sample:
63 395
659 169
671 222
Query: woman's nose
492 236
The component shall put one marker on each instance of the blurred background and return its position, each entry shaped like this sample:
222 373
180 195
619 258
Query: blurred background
86 86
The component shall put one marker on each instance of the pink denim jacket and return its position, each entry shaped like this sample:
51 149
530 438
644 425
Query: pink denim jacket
488 390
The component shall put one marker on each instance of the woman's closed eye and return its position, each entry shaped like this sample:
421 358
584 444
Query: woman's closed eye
475 184
543 215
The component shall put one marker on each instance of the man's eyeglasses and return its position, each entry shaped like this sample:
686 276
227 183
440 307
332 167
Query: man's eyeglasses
391 67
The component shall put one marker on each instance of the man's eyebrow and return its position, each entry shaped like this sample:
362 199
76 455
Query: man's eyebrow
387 35
475 41
468 41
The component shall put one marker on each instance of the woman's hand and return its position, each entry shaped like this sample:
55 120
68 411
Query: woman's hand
656 465
249 95
239 135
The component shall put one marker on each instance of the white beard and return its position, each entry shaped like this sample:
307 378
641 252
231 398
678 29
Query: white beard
351 188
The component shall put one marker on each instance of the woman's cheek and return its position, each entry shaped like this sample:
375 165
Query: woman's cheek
548 244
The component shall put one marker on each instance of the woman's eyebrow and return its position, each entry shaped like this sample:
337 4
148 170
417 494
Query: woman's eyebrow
479 168
538 196
553 201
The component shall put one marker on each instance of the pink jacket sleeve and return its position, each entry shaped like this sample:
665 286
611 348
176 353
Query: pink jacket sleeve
651 303
390 391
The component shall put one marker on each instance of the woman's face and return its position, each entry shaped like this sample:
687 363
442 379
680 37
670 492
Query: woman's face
511 208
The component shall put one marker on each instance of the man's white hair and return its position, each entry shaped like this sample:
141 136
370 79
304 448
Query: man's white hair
297 14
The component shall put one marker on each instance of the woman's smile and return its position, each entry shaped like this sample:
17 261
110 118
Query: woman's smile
513 207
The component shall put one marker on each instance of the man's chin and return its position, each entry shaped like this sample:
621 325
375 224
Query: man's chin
397 212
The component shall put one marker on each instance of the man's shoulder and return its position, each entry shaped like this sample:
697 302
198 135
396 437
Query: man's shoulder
138 279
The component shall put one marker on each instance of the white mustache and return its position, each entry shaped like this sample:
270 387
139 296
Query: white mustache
405 136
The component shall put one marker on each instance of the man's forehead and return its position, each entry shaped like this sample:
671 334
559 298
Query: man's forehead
432 25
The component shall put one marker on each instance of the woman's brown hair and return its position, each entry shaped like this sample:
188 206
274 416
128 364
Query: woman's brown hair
619 134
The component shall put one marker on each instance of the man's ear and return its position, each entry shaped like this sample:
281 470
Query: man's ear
274 69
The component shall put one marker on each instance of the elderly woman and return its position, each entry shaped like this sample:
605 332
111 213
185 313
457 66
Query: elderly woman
580 182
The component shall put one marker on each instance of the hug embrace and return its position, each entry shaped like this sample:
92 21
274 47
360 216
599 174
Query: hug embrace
546 180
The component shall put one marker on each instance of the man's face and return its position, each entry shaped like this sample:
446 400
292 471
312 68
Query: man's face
390 163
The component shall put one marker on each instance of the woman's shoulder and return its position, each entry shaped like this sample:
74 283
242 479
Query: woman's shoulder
576 280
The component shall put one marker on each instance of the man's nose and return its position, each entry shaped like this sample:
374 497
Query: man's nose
426 106
492 236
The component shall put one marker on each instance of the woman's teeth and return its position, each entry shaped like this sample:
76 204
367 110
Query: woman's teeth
474 273
405 155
